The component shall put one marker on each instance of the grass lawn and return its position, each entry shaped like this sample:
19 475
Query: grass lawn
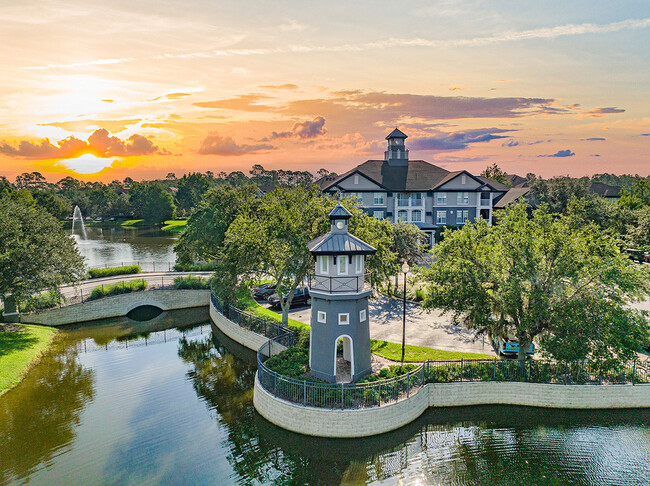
175 225
18 350
391 351
412 354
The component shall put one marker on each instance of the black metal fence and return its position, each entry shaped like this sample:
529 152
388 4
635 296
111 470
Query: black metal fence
315 393
339 284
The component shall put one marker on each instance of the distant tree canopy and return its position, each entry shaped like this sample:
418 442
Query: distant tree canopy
542 278
152 202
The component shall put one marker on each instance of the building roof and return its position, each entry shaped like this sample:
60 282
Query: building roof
396 134
605 190
512 196
339 244
517 180
339 212
418 175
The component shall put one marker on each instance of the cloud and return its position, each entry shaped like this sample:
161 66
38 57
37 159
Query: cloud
279 86
510 143
304 130
594 139
215 144
645 134
560 153
595 155
292 26
597 112
247 102
456 140
90 124
100 143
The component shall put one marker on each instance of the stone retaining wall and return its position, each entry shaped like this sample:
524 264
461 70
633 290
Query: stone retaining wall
373 421
348 423
119 306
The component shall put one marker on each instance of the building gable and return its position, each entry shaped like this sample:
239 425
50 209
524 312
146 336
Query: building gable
356 181
455 183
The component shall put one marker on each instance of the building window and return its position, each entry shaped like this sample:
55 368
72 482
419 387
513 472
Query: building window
463 198
402 216
342 262
462 216
441 217
463 179
358 196
379 199
324 264
322 317
441 198
402 199
359 263
416 199
485 198
344 319
362 315
378 214
416 216
356 178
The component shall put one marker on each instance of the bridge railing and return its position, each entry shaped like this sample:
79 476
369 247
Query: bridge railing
90 290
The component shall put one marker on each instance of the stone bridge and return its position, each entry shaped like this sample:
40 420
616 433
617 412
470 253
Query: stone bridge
119 306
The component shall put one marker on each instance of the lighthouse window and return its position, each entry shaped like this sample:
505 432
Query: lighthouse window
322 317
343 265
359 262
324 264
362 315
344 319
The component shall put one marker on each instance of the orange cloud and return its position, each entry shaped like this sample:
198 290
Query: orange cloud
215 144
100 143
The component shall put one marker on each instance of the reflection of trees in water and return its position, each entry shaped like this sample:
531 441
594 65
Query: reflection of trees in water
38 417
226 383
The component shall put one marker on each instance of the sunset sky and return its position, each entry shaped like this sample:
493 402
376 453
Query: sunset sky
106 90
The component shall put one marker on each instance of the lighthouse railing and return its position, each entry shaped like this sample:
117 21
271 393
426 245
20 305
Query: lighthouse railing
339 284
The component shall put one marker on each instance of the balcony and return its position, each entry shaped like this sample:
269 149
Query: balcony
339 285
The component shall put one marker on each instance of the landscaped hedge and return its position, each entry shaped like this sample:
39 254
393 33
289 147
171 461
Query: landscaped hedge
46 300
194 267
192 282
111 271
118 288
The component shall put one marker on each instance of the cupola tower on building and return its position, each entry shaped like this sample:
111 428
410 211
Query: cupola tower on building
396 153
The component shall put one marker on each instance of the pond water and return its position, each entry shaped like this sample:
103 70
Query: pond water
169 402
118 246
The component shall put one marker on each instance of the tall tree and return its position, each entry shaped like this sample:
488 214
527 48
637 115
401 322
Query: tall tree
151 201
35 253
190 191
542 278
495 173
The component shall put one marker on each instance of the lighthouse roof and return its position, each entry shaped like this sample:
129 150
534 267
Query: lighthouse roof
339 212
339 244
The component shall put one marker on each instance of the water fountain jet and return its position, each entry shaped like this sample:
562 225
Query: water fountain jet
77 216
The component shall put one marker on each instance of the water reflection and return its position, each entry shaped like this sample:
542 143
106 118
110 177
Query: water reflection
39 417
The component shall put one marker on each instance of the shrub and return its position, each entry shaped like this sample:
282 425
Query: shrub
419 295
46 300
191 282
390 372
292 362
118 288
194 267
111 271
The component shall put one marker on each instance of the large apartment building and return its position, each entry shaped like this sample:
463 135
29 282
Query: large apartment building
415 191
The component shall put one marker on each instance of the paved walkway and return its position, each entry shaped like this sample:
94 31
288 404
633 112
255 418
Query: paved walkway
73 293
422 329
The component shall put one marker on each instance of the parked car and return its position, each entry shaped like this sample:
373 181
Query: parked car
510 347
264 291
300 297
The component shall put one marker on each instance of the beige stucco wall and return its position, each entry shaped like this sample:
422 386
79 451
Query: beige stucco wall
118 306
246 338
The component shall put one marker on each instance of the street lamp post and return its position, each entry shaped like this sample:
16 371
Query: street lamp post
405 270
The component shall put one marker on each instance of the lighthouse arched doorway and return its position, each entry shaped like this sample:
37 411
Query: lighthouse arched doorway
344 359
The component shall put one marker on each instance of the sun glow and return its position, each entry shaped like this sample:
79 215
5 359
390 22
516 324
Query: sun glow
87 163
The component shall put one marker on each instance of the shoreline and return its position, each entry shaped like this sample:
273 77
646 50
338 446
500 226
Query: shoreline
23 349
